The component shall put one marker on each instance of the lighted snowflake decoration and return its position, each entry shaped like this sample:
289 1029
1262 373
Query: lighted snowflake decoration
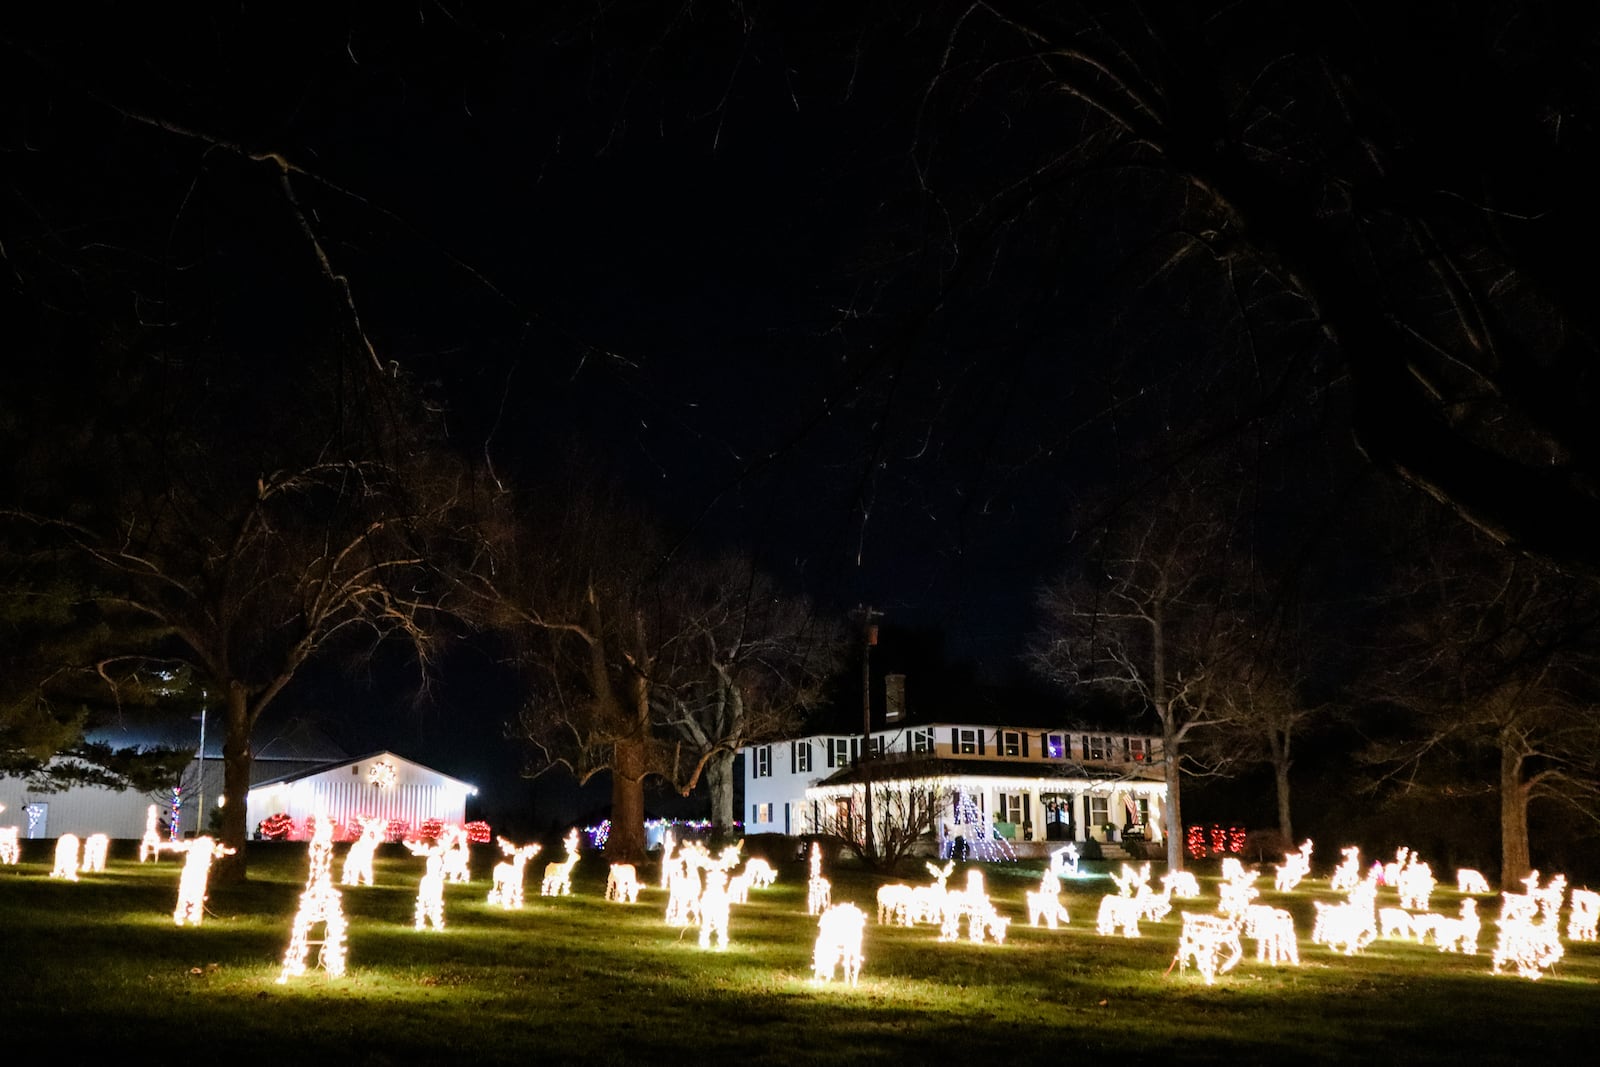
381 774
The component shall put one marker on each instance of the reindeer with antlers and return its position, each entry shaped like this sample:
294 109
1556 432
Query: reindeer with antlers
507 891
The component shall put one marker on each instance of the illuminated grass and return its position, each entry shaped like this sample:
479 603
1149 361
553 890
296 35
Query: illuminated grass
100 964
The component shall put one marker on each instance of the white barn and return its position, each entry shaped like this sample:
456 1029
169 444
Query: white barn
291 747
378 785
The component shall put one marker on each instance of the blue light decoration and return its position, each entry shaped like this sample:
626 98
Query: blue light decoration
599 835
175 811
984 843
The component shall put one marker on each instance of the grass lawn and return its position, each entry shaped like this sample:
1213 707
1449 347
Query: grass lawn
98 971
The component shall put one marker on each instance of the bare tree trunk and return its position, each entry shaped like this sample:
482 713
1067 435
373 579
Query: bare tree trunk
719 782
1169 767
626 843
1514 859
236 759
1280 771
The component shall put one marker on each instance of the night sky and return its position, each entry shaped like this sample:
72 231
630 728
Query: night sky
780 265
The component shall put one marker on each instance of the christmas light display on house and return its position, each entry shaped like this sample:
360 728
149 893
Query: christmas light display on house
406 795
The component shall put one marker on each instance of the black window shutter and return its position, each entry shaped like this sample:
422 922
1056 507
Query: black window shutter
1024 744
794 757
980 742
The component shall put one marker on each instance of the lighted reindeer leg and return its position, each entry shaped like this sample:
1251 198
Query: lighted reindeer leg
507 891
558 876
320 903
150 843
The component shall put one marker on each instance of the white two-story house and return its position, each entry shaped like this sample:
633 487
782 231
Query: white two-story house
1028 785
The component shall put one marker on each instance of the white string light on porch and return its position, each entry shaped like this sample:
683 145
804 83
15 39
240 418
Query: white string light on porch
319 903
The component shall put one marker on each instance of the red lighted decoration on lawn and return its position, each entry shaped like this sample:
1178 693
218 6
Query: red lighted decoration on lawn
430 829
276 827
1215 840
478 832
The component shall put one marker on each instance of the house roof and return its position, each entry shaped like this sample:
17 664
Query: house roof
291 740
337 764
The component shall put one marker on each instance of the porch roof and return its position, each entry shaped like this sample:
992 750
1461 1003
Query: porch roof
1068 772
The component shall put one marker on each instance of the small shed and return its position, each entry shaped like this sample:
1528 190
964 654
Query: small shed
378 785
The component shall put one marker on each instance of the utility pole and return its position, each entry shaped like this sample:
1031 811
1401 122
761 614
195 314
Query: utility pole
869 637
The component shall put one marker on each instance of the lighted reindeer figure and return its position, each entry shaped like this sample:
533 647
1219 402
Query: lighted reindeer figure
430 891
1118 912
319 903
713 909
358 861
1211 942
150 843
1272 929
1451 933
927 901
1180 884
668 861
1352 924
66 858
818 890
10 846
1237 889
508 874
1470 881
838 946
1415 884
1296 865
894 903
759 873
95 849
1391 871
558 876
1530 929
1044 903
622 884
199 852
1585 915
457 857
1348 874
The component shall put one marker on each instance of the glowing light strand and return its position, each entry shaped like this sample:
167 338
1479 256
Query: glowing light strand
838 945
199 852
319 903
558 876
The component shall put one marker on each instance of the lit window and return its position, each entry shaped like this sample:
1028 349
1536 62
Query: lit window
1010 743
1136 749
1099 811
761 813
1055 746
801 752
1096 746
966 742
921 740
838 751
764 761
1011 807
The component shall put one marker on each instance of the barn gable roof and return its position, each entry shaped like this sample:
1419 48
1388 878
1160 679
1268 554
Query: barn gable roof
379 753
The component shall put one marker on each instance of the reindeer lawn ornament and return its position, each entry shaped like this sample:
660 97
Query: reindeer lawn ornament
506 889
1237 889
558 876
319 903
1353 924
66 858
1585 915
1452 934
1296 865
95 849
1211 942
713 909
683 886
1180 884
1348 874
358 861
457 856
668 860
1118 912
759 873
1470 881
622 884
1044 903
1272 929
838 946
150 843
1415 883
10 845
818 889
1530 928
1064 861
430 891
199 852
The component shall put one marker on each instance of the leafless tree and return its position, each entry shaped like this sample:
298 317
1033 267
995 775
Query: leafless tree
1493 658
905 814
1144 613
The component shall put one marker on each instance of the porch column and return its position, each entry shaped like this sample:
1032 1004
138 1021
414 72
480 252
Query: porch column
1036 816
